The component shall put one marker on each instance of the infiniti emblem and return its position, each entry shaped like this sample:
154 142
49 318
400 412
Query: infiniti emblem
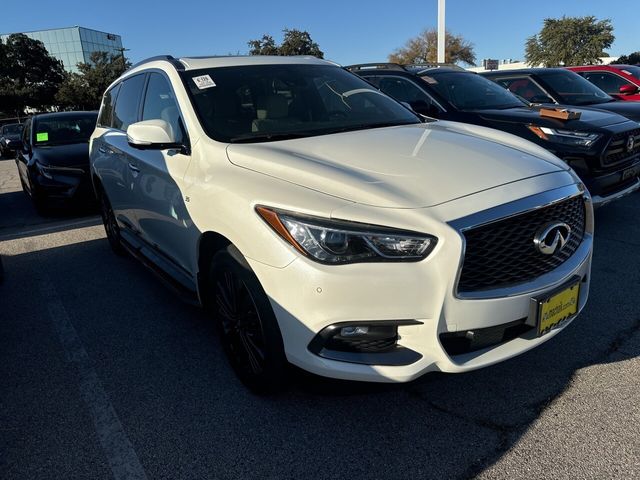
631 142
552 237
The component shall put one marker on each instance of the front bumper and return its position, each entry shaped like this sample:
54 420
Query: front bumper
308 297
616 184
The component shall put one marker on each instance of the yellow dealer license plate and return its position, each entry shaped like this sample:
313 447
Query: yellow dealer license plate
558 307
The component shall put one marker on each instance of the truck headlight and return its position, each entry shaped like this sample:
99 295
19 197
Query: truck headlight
567 137
338 242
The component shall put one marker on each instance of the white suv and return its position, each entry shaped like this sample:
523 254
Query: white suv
323 224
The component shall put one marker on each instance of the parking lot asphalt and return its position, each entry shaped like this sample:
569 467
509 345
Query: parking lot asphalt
106 374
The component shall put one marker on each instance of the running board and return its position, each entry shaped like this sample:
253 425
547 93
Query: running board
179 282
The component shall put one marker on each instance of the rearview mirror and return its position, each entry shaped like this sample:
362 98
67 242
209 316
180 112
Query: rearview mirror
628 89
152 135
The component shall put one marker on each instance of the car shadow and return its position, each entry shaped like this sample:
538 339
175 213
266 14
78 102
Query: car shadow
18 212
184 409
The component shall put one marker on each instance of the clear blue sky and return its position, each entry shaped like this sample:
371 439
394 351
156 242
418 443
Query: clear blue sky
347 31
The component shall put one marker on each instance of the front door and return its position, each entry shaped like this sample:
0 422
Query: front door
162 215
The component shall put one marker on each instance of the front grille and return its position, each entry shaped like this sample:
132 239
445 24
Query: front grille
617 150
502 253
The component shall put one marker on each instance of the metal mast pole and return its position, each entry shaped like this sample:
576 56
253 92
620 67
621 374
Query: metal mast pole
441 31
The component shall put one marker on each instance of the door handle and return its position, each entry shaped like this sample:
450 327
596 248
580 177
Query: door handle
102 150
133 168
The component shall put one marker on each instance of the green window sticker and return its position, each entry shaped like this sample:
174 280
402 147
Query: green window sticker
42 137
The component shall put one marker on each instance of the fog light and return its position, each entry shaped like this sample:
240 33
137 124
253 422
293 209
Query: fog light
354 331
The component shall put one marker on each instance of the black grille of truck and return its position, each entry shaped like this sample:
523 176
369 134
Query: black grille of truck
618 149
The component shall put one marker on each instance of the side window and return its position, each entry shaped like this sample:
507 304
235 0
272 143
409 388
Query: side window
403 90
106 111
26 134
160 103
126 110
523 87
609 82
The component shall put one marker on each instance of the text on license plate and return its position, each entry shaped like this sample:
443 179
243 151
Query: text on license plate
558 307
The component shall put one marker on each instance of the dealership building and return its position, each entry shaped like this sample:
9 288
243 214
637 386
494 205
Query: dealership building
73 45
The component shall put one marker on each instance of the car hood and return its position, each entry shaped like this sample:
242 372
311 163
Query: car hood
589 120
70 155
404 167
630 110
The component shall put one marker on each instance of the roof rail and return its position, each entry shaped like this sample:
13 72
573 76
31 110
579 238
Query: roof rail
375 66
176 63
429 65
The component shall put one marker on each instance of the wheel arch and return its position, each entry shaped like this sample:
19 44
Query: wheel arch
209 244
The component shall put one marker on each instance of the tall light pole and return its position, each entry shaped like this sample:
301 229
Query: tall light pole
124 60
441 31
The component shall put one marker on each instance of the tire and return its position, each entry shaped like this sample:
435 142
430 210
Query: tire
248 327
110 224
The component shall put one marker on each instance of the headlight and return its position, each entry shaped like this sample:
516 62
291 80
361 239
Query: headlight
338 242
566 137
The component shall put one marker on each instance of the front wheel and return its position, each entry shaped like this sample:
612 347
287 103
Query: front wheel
248 327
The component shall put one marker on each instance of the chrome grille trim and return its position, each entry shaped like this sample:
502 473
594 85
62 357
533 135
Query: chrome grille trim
518 207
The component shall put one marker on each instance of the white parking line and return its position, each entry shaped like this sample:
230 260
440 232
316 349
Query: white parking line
121 456
48 228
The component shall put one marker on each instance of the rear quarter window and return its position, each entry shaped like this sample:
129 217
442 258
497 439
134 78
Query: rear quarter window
106 110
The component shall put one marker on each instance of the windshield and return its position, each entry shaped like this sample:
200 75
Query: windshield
260 103
13 129
572 89
64 129
632 70
469 91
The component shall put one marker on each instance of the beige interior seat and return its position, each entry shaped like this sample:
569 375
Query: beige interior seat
272 114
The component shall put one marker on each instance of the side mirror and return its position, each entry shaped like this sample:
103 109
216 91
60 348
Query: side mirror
423 108
629 89
151 135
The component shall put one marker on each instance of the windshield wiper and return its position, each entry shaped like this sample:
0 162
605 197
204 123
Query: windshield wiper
366 126
269 137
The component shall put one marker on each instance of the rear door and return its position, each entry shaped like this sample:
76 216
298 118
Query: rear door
113 158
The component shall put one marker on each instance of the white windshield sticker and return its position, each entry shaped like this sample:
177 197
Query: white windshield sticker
204 81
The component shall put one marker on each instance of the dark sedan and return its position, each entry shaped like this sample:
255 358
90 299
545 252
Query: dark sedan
53 159
602 147
561 86
9 138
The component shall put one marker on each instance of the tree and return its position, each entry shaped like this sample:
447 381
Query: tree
570 41
84 90
29 76
265 46
424 49
295 42
631 59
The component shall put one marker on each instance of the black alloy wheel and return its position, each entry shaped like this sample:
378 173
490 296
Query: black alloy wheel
247 324
110 224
